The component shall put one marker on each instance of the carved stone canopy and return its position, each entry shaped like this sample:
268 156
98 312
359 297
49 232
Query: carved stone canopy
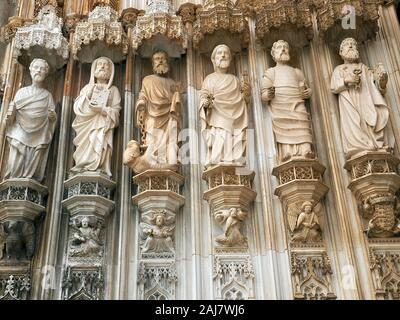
101 35
285 19
219 21
159 29
334 25
44 40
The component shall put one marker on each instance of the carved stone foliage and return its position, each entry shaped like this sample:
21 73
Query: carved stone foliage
333 27
15 287
284 19
102 26
83 284
157 281
160 20
188 12
17 240
86 244
157 231
43 39
374 183
129 17
233 277
217 15
8 31
312 276
385 267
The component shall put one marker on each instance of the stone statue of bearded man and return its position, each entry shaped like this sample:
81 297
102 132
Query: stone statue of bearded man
97 114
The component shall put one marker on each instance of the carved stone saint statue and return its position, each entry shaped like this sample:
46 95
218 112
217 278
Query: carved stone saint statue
31 120
307 228
232 221
157 233
364 113
158 117
223 111
85 241
285 88
97 114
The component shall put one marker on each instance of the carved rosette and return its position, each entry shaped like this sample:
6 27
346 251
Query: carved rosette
103 28
374 183
233 277
43 39
385 267
284 20
311 276
300 180
334 25
220 15
156 23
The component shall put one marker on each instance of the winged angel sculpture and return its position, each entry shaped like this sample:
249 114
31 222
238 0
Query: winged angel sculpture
17 240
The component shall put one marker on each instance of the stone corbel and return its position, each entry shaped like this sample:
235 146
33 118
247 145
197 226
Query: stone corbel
374 183
187 12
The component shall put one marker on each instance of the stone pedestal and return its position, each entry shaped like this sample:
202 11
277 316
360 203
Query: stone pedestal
374 183
158 199
88 199
300 191
21 202
230 197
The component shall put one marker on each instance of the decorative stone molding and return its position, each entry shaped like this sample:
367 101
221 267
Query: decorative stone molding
15 286
103 29
385 267
286 20
159 26
129 17
89 194
157 281
8 31
21 199
217 16
40 4
187 11
43 39
331 12
114 4
374 183
83 284
311 276
233 277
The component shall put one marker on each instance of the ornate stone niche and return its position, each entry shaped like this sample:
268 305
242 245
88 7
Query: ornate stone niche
83 284
284 20
233 277
385 268
159 28
44 40
218 21
101 35
374 183
311 276
157 280
330 14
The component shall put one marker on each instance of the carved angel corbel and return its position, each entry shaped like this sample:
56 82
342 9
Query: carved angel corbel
305 222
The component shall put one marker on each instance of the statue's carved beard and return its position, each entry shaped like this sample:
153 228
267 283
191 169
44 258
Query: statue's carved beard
351 55
102 75
38 77
223 63
161 68
283 57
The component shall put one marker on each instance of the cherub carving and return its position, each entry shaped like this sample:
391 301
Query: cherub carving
306 224
157 232
86 239
231 220
17 239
